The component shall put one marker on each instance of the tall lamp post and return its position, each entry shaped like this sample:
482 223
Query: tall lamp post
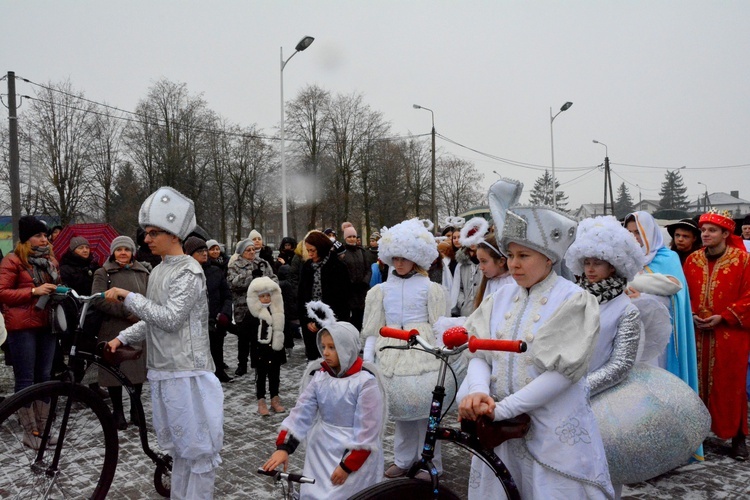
607 179
705 197
564 107
301 45
433 214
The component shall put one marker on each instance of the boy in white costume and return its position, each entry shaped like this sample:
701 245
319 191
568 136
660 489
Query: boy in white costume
187 397
341 414
408 300
562 455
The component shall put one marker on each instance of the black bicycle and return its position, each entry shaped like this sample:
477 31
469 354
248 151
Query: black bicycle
58 438
480 437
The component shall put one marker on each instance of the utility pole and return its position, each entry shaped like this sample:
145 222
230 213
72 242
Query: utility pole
15 181
433 213
608 181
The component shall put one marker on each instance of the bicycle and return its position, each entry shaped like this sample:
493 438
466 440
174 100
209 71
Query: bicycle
480 437
288 491
78 442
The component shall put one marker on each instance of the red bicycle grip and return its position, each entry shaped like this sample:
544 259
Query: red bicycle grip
396 333
476 344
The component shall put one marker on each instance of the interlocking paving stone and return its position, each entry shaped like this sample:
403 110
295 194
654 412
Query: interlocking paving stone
249 441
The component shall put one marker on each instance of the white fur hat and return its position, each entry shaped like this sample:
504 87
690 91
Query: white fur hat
170 210
409 239
604 238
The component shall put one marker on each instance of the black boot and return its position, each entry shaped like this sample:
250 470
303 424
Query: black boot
739 448
241 369
223 377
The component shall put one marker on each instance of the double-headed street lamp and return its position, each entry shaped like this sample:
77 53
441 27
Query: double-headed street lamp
705 197
433 214
301 45
564 107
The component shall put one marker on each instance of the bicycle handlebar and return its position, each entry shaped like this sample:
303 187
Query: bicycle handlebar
476 344
283 476
64 290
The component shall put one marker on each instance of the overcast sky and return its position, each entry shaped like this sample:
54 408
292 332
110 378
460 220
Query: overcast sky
663 83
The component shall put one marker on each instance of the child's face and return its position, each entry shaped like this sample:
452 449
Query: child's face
597 270
264 298
490 267
330 355
401 265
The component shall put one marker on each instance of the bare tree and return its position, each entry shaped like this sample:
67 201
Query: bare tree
458 184
308 126
60 124
418 176
106 160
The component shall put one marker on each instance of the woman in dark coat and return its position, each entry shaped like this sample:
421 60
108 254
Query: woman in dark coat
77 266
123 271
324 277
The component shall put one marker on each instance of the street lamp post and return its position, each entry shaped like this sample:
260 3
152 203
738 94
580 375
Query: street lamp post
433 214
607 179
564 107
301 45
705 197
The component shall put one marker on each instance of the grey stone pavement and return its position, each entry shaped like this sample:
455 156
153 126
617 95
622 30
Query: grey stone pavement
249 441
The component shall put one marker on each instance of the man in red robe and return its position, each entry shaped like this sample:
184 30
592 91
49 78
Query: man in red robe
718 278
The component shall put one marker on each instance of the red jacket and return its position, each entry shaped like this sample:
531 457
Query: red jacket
16 299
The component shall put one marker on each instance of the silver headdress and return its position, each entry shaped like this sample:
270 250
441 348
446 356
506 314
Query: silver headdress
543 229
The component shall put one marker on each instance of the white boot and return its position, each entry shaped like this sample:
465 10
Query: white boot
28 422
41 411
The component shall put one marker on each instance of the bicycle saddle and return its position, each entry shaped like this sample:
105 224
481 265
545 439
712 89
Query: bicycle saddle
492 434
123 353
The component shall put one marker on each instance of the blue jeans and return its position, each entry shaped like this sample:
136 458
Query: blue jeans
32 352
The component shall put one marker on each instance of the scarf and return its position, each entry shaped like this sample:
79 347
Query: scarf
604 290
405 276
42 269
317 289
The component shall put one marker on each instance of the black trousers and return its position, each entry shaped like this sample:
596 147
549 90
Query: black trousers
243 341
216 334
270 370
311 344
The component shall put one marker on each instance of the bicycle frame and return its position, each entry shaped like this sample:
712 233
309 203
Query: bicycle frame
93 357
464 439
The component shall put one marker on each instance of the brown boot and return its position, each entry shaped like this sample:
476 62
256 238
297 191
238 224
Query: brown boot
41 410
263 408
28 422
276 405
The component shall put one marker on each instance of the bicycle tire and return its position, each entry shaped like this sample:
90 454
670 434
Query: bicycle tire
87 453
404 488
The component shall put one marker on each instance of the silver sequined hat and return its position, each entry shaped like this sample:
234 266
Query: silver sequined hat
169 210
544 229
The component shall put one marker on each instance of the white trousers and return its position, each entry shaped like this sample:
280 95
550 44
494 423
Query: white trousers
408 441
187 485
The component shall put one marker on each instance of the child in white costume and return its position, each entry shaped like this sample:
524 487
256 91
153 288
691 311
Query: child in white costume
186 396
341 413
408 300
562 455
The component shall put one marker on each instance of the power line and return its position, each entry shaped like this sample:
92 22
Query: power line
656 167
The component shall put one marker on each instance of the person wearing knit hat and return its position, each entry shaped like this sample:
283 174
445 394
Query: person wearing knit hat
718 278
120 270
194 244
174 323
28 226
263 251
409 300
213 243
27 276
356 260
560 323
122 241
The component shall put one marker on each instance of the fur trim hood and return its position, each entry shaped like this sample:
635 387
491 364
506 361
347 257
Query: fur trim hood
273 315
409 239
604 238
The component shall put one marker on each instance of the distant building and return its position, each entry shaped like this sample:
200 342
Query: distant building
722 201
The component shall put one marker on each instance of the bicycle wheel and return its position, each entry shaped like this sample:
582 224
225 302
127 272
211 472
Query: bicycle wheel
87 450
395 489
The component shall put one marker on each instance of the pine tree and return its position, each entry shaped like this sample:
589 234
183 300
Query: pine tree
541 194
673 192
624 203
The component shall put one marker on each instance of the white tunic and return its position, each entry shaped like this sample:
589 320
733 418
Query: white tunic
562 456
336 415
408 376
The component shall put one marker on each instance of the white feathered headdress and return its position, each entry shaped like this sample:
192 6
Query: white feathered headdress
604 238
474 231
409 239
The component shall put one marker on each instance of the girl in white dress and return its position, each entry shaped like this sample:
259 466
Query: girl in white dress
341 413
494 267
562 455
